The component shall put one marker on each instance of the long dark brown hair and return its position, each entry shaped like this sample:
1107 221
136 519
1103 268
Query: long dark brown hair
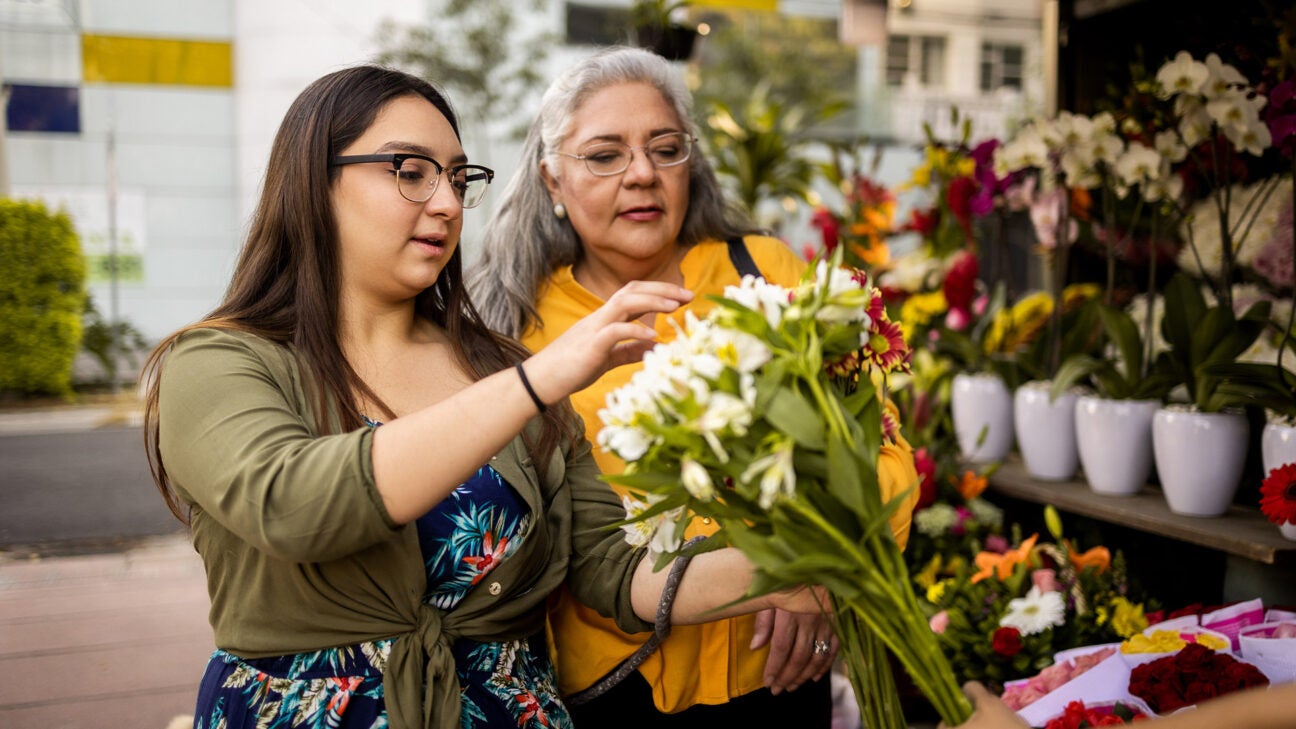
286 281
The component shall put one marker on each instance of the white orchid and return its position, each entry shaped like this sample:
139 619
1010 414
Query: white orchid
1183 75
1169 146
1139 165
1221 77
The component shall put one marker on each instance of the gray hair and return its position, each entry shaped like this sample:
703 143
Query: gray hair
525 242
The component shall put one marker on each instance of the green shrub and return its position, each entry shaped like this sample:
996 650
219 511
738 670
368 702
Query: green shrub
42 297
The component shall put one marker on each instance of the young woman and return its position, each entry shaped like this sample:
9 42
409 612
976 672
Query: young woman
612 190
381 513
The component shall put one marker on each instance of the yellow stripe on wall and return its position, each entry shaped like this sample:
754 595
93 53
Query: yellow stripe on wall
166 61
767 5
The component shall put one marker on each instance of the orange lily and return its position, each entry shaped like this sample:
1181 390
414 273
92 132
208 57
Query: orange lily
970 484
1099 558
1001 565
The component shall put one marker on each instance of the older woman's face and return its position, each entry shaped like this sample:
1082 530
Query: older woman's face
633 218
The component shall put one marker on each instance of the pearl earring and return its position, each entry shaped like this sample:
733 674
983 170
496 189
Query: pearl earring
560 211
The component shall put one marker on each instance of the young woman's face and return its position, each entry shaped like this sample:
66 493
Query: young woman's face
633 217
390 247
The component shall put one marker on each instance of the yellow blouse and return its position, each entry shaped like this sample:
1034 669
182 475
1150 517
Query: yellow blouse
697 664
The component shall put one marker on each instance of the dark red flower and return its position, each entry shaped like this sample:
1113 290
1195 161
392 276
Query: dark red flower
959 198
828 226
923 222
926 467
959 286
1278 494
1006 642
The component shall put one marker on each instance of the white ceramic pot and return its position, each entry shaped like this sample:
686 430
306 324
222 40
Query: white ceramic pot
982 409
1277 445
1288 530
1046 431
1199 457
1114 440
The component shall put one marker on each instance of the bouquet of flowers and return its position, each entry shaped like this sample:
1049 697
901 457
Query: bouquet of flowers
765 417
1005 614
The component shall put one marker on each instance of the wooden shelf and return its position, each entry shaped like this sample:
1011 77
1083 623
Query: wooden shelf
1242 532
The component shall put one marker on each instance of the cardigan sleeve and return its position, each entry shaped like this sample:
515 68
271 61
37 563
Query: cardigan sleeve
602 562
236 443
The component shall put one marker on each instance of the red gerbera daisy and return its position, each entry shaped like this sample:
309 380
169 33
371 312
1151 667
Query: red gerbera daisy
1278 495
886 346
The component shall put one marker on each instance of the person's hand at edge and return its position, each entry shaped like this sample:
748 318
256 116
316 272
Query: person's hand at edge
988 711
802 647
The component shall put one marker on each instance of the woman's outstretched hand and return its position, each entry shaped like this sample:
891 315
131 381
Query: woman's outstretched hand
988 711
609 337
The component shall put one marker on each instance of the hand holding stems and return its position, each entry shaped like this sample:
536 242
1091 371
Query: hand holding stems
793 656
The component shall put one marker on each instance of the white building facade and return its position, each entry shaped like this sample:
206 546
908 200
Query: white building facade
150 121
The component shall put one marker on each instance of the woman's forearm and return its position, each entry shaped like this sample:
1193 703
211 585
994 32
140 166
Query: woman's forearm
711 582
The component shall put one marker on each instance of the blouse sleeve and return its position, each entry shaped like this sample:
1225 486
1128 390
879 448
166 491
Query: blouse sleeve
236 446
602 562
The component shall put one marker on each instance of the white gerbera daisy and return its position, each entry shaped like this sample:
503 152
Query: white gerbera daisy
1035 613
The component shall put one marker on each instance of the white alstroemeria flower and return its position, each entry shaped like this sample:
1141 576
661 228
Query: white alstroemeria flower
1138 165
845 299
777 476
1222 77
638 533
758 295
1183 75
669 532
1168 146
740 350
696 480
724 413
1036 612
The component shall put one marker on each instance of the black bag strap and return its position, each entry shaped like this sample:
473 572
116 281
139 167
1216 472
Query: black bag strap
741 257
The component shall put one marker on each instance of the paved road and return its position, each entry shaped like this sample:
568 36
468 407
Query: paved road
83 487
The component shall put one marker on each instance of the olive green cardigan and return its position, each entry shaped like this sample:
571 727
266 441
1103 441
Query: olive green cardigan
301 555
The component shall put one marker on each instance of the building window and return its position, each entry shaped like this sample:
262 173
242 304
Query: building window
1001 66
597 25
921 57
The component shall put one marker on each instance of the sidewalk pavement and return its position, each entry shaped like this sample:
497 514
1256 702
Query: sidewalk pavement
103 641
100 641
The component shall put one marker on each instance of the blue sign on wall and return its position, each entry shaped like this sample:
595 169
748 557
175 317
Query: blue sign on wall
44 109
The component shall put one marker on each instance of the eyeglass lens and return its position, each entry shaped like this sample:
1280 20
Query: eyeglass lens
418 178
611 158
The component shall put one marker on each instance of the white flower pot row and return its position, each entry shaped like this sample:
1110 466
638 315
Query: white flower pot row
1199 456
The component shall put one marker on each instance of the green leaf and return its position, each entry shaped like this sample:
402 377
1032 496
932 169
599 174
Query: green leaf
845 474
795 416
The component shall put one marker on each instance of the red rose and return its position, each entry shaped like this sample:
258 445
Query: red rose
1198 691
960 281
926 468
1006 642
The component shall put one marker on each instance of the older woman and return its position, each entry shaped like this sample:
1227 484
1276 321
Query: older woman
611 190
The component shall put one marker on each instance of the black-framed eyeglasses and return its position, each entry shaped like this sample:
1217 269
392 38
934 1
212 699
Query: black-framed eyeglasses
612 158
417 176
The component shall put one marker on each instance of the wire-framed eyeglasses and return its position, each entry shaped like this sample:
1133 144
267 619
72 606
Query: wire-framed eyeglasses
612 158
417 176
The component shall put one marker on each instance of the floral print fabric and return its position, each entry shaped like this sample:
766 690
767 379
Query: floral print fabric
506 684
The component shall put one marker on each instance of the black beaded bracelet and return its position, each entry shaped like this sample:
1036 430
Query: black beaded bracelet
530 391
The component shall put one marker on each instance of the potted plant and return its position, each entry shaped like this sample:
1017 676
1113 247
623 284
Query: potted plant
1200 446
1114 423
655 30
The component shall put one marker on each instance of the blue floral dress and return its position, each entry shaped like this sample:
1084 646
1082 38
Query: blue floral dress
509 684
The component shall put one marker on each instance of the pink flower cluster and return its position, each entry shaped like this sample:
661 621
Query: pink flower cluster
1019 696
